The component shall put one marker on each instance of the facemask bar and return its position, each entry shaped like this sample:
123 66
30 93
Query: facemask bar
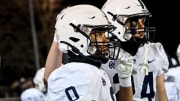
149 34
128 35
93 46
114 47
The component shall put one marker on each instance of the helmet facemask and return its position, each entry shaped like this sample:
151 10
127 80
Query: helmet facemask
128 35
98 40
119 12
128 38
141 33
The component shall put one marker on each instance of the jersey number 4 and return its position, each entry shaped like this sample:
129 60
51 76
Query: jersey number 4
148 81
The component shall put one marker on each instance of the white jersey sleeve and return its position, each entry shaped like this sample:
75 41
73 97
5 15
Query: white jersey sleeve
79 82
158 47
144 86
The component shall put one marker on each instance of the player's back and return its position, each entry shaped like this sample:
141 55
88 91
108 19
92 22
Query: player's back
172 82
80 82
144 86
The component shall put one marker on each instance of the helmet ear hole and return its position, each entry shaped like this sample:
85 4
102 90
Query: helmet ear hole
82 46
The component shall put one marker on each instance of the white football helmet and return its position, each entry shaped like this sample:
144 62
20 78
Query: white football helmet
119 11
73 27
39 79
178 53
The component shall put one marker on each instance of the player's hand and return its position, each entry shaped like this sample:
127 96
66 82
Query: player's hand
124 67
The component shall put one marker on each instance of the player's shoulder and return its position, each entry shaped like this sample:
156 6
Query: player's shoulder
30 90
32 93
156 45
70 70
158 49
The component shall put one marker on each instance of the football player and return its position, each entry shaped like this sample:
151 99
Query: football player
135 36
82 31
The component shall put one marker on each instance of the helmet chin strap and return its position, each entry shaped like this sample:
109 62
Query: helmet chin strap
144 66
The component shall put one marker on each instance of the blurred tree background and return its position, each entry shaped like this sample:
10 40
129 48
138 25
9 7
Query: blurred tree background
17 51
16 43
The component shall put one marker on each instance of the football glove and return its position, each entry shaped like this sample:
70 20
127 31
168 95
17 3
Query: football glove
124 67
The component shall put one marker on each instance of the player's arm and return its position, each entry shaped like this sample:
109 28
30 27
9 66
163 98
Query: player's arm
54 59
125 94
124 68
161 92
